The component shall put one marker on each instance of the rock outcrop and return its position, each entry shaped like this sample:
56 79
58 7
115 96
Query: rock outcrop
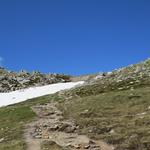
11 81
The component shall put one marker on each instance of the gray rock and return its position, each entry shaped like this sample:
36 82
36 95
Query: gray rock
1 140
10 81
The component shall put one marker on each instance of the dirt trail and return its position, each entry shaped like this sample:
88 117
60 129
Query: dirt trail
32 143
50 126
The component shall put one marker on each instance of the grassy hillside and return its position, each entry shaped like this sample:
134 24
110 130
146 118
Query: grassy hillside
115 108
13 120
121 118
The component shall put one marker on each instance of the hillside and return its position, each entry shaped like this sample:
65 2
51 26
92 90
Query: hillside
111 111
11 81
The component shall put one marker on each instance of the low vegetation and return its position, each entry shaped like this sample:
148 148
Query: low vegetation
121 118
12 121
114 108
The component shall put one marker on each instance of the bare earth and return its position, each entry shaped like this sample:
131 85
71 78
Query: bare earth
50 126
32 143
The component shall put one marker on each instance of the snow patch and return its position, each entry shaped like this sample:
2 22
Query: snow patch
33 92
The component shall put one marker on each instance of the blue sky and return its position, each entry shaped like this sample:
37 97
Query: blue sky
73 36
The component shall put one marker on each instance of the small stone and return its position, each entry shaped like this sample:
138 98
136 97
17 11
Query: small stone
87 146
77 146
69 144
112 131
70 129
38 136
132 88
91 142
90 131
1 140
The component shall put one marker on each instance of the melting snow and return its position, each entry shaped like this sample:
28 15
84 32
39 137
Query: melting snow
33 92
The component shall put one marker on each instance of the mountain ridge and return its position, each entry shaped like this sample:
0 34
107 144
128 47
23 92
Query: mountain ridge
11 81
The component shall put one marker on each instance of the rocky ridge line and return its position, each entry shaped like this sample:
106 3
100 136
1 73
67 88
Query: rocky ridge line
11 81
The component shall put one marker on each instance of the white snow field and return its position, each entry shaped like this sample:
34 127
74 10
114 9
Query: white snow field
33 92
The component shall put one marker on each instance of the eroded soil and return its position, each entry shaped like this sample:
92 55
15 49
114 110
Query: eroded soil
51 126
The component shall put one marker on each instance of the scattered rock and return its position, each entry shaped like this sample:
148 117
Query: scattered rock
11 81
1 140
112 131
62 132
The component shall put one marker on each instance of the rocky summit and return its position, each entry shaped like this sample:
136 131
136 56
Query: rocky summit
11 81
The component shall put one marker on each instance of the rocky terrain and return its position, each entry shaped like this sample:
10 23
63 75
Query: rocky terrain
50 126
120 79
133 72
11 81
110 111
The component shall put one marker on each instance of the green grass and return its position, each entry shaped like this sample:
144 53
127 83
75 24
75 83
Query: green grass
102 112
13 120
113 116
106 109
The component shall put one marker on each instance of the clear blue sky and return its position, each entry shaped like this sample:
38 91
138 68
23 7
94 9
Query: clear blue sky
73 36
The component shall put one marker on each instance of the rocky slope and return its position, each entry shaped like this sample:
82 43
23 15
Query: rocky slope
110 107
130 77
11 81
113 106
50 126
132 72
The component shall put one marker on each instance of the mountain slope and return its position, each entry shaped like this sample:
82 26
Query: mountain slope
113 107
121 117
